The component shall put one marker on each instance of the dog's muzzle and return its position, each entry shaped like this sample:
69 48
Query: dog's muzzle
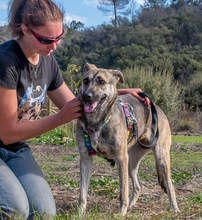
89 105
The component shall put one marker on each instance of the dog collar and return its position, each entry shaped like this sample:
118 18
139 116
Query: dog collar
86 135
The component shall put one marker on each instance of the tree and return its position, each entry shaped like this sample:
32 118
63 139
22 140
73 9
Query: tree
154 4
113 7
74 25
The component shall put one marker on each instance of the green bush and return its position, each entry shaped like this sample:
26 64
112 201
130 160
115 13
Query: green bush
193 92
185 125
160 86
72 77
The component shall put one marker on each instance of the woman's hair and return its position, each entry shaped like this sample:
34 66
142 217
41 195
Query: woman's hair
32 13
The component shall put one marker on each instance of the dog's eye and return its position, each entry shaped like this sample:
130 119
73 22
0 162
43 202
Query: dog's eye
101 81
85 81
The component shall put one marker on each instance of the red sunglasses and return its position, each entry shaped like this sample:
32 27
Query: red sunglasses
46 40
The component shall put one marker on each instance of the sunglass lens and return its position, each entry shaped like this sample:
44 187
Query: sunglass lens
45 41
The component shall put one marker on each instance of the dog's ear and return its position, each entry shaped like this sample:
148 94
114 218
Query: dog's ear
118 74
88 66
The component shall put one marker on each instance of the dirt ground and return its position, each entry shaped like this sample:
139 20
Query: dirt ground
60 164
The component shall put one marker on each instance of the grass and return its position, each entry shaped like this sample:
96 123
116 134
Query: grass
187 139
60 165
58 135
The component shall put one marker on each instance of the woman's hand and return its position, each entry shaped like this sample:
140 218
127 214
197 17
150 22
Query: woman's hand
135 92
70 111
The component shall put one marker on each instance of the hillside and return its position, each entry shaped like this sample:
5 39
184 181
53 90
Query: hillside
166 38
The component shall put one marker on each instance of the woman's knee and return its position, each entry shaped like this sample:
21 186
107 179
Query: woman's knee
44 206
18 209
44 212
41 201
13 199
34 184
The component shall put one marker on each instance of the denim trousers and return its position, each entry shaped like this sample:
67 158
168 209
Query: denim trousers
24 192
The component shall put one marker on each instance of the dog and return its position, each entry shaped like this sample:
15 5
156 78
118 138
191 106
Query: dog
103 131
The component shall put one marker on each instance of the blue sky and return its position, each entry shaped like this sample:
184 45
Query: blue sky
80 10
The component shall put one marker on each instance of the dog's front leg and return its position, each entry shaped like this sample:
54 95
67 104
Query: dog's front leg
85 170
122 164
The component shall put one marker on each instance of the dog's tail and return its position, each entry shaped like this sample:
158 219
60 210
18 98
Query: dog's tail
161 179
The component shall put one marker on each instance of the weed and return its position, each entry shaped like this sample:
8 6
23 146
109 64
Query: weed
61 167
196 198
180 177
55 136
105 185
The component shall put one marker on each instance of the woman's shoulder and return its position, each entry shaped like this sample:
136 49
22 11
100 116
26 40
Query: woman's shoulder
9 46
10 52
9 49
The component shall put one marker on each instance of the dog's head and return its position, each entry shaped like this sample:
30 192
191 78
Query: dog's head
98 87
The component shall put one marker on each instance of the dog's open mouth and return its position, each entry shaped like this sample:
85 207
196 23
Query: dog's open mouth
91 107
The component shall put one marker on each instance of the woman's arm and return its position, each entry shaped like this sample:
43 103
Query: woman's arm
61 95
11 130
134 92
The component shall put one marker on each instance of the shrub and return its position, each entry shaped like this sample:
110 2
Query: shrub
72 77
193 91
160 86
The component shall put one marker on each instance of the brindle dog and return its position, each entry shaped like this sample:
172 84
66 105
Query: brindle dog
104 127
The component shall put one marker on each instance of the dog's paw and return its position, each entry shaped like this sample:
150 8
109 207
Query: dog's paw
173 208
133 199
118 216
81 211
123 210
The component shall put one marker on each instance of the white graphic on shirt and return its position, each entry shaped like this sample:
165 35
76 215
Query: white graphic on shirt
31 104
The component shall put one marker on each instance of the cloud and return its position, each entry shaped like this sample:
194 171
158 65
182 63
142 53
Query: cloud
141 2
2 23
92 3
3 5
69 18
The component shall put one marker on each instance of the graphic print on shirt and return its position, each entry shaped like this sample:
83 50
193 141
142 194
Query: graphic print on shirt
32 102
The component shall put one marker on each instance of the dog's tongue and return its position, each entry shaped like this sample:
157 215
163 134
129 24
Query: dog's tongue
90 107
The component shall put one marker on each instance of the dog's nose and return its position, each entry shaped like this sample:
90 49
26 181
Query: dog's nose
87 96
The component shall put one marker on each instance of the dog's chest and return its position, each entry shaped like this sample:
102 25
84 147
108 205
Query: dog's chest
102 144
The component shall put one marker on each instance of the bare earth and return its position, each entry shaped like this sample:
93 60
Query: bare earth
60 164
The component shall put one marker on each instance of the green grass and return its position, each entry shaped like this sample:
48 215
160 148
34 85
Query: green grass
61 168
56 136
187 139
105 185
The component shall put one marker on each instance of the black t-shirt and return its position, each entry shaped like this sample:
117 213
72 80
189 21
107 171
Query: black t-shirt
30 81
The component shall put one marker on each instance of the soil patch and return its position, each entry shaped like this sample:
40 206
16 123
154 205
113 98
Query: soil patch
60 164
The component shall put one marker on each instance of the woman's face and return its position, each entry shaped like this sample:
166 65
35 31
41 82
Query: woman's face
41 36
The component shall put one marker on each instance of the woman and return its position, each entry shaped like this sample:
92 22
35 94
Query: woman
27 72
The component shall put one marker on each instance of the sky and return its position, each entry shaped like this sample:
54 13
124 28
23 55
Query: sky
84 11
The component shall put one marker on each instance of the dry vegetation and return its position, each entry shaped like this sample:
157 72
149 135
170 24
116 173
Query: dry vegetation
61 167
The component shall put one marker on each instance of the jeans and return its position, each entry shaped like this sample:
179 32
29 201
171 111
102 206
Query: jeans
24 191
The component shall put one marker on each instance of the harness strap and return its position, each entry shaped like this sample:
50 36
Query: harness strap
154 123
130 118
91 151
86 135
